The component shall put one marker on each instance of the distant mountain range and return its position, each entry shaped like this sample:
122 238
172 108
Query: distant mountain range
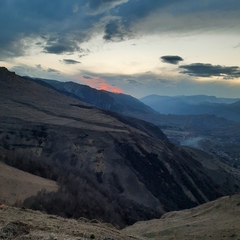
108 166
228 108
154 108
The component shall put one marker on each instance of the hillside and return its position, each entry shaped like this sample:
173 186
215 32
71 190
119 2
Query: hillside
180 129
110 167
215 220
17 185
115 102
19 223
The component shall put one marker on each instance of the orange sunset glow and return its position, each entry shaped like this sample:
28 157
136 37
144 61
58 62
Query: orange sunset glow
100 84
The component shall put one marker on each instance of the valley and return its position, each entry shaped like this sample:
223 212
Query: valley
185 120
116 168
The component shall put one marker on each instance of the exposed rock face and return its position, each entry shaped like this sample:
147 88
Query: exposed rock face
111 167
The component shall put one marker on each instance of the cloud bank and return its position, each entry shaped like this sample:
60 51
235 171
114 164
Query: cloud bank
62 26
171 59
209 70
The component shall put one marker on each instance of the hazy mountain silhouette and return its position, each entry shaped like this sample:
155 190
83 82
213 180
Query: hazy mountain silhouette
195 105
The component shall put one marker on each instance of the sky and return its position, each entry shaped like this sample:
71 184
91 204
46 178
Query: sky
136 47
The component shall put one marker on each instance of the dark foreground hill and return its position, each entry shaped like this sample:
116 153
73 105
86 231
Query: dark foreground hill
110 167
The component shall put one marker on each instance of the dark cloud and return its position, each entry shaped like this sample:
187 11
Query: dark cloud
64 25
60 49
57 23
171 59
51 70
144 16
61 45
116 31
70 61
209 70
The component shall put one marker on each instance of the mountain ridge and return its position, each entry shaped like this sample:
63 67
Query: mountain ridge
116 102
126 168
195 105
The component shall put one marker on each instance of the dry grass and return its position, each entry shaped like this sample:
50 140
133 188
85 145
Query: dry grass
18 223
17 185
215 220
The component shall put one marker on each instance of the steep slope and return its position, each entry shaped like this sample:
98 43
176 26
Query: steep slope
115 102
215 220
108 166
175 126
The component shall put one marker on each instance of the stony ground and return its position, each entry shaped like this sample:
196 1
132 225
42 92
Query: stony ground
217 220
17 223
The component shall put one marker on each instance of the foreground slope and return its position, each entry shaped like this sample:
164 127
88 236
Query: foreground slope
17 223
109 167
215 220
219 219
